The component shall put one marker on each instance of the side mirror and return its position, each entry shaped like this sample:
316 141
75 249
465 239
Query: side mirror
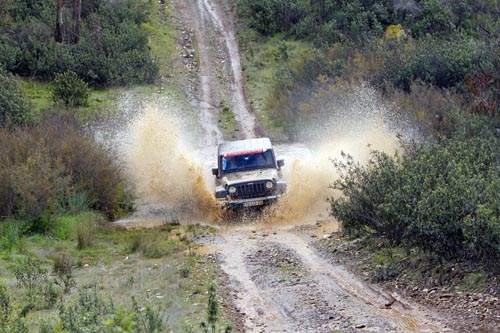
281 163
215 171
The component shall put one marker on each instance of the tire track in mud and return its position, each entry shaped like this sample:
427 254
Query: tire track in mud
239 103
193 16
284 285
219 69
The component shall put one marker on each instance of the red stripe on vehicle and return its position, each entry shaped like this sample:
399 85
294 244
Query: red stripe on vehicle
246 152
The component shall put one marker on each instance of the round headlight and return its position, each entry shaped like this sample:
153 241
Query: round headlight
269 185
232 189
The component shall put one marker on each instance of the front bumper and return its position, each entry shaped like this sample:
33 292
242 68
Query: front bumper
247 203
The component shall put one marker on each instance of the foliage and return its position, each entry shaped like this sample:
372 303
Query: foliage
10 238
441 197
296 79
92 314
63 269
213 307
30 276
4 304
86 315
44 167
443 63
109 29
9 321
14 111
392 45
40 291
433 108
148 320
70 89
85 232
331 21
130 294
212 310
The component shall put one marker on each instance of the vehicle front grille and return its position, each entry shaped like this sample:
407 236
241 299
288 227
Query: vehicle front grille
250 190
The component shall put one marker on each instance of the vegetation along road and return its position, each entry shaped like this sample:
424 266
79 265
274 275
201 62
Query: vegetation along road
387 116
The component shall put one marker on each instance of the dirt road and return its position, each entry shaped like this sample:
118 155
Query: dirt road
206 27
284 285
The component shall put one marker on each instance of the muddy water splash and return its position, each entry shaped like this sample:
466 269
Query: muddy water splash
358 123
162 168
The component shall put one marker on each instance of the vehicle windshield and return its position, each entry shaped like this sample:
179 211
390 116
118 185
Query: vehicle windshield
251 161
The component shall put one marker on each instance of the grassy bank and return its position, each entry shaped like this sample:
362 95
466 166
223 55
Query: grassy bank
161 37
263 61
39 96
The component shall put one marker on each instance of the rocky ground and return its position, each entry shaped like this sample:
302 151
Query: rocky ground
476 310
282 283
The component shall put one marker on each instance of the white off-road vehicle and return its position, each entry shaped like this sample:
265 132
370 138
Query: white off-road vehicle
248 174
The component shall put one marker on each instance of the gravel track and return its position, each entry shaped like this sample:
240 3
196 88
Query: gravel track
284 285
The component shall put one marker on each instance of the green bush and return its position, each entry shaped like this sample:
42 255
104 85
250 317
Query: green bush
14 111
441 197
10 53
10 236
85 315
40 291
5 305
70 89
30 275
10 322
440 62
63 269
296 80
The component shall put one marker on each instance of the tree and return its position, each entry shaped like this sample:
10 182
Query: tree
68 31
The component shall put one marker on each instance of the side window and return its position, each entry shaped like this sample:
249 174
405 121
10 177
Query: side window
224 164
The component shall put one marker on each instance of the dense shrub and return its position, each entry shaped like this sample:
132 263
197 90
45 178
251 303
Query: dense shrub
443 63
296 80
70 89
442 197
359 21
443 44
112 49
433 109
14 110
44 167
10 322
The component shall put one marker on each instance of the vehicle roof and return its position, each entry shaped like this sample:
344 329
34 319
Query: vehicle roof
247 145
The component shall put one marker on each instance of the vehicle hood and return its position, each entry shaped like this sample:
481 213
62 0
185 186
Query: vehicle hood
252 175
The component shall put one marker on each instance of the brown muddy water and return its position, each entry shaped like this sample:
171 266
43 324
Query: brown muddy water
170 167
